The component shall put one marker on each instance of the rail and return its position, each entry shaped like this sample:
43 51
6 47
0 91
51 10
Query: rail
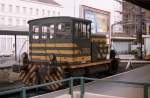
23 90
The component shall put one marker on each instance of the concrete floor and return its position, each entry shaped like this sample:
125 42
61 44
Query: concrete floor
139 75
108 88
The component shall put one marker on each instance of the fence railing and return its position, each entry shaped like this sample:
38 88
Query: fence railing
23 90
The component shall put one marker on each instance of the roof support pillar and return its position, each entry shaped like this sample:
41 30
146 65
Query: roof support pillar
15 47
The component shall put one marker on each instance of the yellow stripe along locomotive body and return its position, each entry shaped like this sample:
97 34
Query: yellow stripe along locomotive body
70 41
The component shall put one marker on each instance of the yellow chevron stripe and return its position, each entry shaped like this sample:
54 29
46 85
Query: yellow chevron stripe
30 77
29 73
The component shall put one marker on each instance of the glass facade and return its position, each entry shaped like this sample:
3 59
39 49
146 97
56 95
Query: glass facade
122 47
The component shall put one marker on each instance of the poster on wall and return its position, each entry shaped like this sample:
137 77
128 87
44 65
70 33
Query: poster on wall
100 19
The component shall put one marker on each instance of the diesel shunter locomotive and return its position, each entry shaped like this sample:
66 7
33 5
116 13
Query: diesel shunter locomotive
61 47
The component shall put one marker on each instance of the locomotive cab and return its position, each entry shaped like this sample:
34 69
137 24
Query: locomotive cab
67 38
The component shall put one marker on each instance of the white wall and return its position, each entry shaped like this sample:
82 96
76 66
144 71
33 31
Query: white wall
25 15
12 19
6 44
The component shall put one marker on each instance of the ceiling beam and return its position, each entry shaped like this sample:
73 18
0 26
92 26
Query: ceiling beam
142 3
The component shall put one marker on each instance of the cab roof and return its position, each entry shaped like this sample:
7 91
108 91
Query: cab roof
48 20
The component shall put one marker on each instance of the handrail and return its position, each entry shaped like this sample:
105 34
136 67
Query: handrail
24 90
10 91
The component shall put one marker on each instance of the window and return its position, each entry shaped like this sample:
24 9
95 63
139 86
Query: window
58 13
82 29
49 13
3 20
53 13
17 22
59 27
10 21
51 31
63 30
31 11
17 9
88 30
43 12
24 10
51 28
76 27
85 30
35 30
122 47
79 27
35 36
3 7
37 11
64 27
24 22
44 29
67 26
10 8
44 32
